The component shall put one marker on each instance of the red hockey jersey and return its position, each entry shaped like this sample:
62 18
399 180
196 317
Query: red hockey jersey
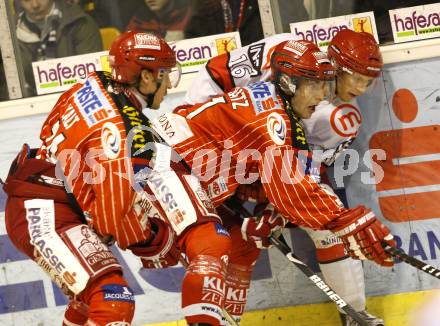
90 135
248 129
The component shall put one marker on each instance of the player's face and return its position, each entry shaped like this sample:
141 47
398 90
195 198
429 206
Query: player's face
308 95
161 91
156 5
350 85
36 10
149 84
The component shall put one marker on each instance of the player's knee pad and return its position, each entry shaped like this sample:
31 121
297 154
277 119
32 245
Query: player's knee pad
110 301
203 290
238 280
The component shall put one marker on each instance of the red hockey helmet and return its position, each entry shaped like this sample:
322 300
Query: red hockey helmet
292 61
301 59
356 51
132 51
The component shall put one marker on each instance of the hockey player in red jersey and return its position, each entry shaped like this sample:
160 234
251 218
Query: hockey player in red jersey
358 60
247 119
332 128
99 178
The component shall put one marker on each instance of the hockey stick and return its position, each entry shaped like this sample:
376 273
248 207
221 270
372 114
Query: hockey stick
400 254
349 310
282 246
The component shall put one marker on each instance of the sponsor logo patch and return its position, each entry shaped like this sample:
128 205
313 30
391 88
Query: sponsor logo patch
262 97
117 292
295 47
217 187
146 41
110 140
92 103
346 120
276 127
220 230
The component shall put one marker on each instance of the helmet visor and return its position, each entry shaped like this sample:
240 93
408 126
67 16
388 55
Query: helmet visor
352 84
324 90
174 75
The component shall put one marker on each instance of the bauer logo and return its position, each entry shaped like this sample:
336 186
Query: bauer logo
321 31
56 75
415 23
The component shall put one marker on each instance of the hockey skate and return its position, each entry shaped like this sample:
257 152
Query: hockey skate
371 320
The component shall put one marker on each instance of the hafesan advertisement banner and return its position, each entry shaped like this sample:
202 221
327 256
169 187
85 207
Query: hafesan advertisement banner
57 75
415 23
321 31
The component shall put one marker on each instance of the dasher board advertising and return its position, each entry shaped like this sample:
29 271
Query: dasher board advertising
415 23
321 31
58 75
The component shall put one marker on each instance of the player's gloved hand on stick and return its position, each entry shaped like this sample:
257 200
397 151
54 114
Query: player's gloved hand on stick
258 229
161 251
362 234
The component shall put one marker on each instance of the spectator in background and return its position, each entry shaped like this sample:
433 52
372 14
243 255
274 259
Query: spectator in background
165 18
52 29
106 13
220 16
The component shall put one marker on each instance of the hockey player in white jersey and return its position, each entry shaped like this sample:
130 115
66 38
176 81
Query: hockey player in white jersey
330 129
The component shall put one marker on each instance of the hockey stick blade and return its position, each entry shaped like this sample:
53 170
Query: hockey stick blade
319 283
400 254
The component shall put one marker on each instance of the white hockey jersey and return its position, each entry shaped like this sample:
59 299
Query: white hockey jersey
331 128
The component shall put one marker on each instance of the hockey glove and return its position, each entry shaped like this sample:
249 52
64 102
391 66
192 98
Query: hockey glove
362 234
259 229
253 192
162 250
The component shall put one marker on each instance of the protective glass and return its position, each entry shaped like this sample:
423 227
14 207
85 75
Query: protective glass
356 79
324 89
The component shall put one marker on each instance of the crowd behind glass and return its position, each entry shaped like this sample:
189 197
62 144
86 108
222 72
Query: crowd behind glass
47 29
